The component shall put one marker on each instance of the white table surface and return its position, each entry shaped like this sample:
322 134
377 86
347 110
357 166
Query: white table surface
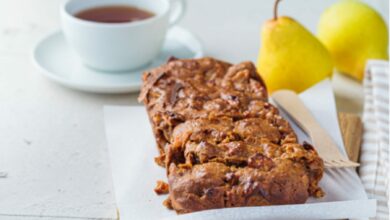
52 143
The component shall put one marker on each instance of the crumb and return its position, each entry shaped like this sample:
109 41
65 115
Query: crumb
161 188
160 160
319 193
167 203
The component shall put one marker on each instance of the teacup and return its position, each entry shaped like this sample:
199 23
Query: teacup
119 46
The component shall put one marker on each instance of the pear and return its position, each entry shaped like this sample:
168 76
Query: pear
353 32
290 56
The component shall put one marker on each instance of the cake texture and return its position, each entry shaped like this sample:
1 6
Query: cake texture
223 144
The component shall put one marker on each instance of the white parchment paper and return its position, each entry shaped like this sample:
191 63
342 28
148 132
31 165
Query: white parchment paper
132 149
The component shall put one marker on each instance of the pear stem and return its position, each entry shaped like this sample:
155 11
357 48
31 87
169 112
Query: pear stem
276 9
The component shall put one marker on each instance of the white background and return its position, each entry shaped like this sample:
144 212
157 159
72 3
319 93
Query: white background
52 142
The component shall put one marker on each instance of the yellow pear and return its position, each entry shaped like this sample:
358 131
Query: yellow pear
290 56
353 32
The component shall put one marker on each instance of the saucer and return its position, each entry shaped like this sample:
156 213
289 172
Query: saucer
58 62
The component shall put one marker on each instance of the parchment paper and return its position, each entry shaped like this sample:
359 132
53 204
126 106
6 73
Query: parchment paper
132 147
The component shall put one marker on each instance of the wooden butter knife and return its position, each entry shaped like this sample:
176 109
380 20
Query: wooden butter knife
327 149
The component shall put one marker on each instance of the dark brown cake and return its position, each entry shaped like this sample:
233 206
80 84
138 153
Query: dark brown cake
222 143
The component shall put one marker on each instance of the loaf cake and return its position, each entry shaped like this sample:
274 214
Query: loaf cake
222 143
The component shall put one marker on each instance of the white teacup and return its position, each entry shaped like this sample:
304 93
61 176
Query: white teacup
119 46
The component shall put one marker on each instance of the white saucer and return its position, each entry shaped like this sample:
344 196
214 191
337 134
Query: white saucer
61 64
